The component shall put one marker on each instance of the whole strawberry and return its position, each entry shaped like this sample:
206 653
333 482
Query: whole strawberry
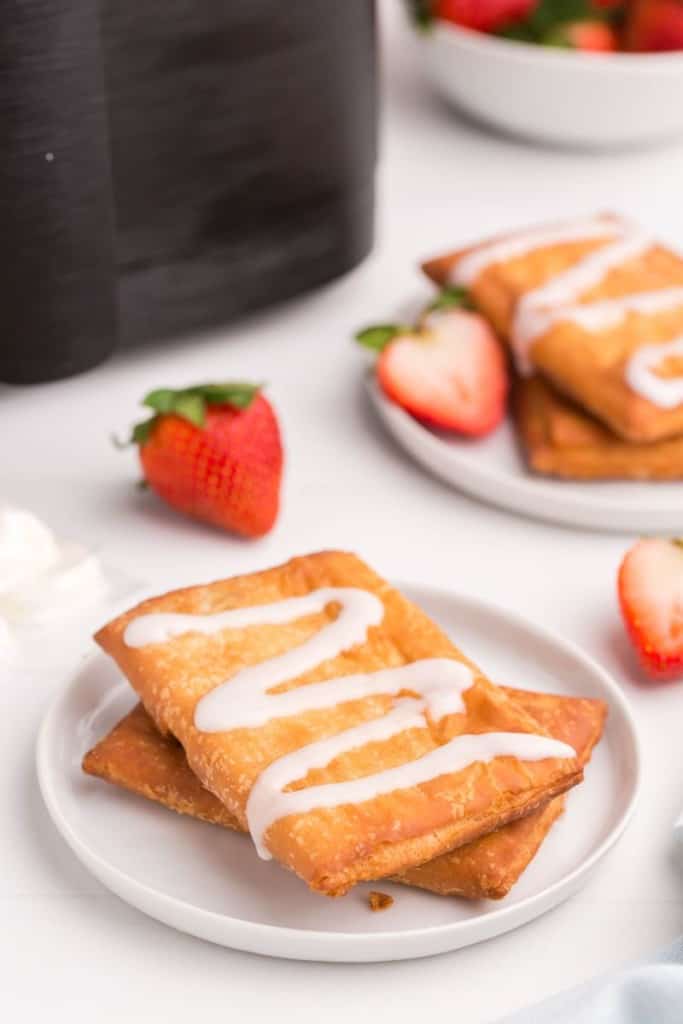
653 25
651 599
214 452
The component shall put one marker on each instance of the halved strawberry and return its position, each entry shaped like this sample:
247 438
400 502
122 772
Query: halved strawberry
589 35
449 371
651 598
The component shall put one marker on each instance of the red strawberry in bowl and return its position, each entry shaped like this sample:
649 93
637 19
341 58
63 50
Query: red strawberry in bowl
214 452
483 15
651 598
449 371
653 25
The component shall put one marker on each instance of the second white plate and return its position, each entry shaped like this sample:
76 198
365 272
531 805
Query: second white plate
209 882
493 469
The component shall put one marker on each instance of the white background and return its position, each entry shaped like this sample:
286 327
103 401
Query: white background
70 950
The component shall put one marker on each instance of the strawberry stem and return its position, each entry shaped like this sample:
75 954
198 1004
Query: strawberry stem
422 14
118 443
379 336
451 297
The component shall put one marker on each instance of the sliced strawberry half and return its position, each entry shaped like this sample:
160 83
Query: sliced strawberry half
450 371
651 598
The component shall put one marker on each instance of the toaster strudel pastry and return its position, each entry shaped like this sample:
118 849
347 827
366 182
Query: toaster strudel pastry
334 719
135 756
596 306
560 439
490 866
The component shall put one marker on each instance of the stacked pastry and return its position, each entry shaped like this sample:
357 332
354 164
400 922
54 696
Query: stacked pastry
316 708
592 311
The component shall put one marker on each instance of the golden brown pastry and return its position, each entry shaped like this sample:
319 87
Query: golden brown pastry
490 866
137 757
347 771
380 901
594 305
560 439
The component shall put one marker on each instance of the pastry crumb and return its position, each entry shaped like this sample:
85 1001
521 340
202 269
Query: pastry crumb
380 901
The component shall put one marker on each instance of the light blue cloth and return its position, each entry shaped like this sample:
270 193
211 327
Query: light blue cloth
649 992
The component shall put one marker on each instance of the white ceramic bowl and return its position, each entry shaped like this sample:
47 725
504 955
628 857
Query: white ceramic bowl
555 95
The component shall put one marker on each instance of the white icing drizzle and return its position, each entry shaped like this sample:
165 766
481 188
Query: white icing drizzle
359 610
558 300
244 701
268 803
470 266
598 316
665 392
539 308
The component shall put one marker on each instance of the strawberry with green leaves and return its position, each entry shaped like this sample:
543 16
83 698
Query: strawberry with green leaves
449 370
213 451
651 598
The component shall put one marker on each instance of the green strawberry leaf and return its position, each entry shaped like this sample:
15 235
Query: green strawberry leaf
547 16
451 297
378 336
191 402
191 406
549 13
161 400
520 32
421 13
142 432
238 393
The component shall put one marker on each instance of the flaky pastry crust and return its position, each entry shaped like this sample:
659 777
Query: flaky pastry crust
587 366
135 756
560 439
333 848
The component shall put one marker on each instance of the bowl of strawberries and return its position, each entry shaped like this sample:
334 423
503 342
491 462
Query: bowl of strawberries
571 72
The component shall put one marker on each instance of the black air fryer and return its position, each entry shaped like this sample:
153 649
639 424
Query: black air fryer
166 165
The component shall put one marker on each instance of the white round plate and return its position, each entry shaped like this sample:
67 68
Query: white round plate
209 882
493 469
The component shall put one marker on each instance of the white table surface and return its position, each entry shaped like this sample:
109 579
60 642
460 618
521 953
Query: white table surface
68 947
